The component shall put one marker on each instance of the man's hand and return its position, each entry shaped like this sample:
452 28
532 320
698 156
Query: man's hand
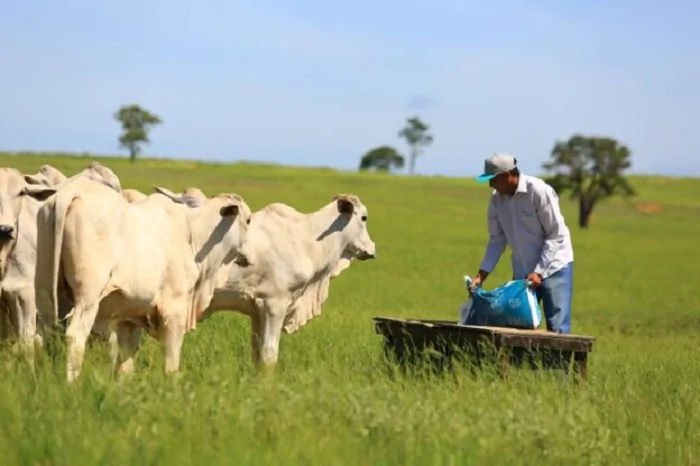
535 278
477 281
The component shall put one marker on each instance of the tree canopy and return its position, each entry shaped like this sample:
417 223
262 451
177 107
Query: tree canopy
417 137
591 169
382 158
136 122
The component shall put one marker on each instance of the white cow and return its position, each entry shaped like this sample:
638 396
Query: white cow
21 196
308 299
293 257
149 264
102 327
309 304
15 209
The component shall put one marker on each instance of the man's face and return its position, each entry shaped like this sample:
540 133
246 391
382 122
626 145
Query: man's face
501 183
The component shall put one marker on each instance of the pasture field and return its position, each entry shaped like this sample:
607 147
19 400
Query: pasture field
331 400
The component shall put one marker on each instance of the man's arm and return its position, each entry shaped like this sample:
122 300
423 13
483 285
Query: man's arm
496 245
552 220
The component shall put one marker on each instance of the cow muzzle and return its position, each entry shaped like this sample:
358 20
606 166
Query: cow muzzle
364 255
7 233
242 260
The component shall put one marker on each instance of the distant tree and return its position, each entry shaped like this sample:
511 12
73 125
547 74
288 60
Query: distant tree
591 168
136 123
382 158
417 136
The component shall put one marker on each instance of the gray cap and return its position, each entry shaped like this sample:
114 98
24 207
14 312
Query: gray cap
498 163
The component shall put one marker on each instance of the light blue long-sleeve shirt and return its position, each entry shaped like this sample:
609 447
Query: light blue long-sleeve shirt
532 224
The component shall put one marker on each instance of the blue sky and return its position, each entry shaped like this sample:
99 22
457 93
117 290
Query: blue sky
311 82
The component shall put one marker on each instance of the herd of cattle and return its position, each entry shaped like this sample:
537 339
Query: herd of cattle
114 262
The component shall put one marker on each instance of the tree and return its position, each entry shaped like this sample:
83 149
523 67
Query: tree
382 158
591 168
136 123
416 135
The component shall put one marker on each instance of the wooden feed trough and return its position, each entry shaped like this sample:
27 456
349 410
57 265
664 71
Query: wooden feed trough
408 340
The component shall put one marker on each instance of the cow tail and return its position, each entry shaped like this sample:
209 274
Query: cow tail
50 223
61 210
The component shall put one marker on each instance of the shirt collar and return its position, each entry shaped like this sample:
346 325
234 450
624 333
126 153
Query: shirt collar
522 185
521 188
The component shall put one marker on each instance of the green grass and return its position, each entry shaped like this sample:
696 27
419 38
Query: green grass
331 401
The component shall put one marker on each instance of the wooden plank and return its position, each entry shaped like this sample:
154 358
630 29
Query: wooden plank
445 324
407 337
501 336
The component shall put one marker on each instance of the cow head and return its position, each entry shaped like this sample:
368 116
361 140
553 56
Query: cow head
14 185
100 173
355 214
47 175
234 209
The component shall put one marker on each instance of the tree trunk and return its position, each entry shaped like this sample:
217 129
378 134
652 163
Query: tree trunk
412 164
132 155
585 209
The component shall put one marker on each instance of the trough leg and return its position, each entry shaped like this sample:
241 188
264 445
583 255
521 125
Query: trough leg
581 366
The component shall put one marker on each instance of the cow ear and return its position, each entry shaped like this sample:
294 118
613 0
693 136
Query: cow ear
169 194
230 210
39 192
35 180
345 204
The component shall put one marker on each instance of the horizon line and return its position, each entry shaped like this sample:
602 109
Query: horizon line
115 156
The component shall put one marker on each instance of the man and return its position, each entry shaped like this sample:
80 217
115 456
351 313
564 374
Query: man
524 213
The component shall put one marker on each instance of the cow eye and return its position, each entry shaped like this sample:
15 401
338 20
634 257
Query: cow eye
364 218
248 221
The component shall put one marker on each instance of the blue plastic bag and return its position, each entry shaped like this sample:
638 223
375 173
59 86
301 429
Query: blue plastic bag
513 304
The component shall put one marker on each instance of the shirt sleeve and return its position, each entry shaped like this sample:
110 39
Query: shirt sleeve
497 239
552 221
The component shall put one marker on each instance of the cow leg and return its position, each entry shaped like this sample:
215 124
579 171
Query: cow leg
128 342
172 335
255 337
9 317
25 312
113 342
47 330
272 321
77 334
5 327
21 327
